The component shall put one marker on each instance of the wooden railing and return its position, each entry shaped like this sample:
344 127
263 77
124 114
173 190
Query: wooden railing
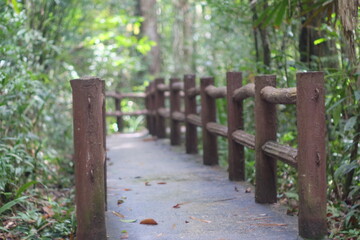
118 97
308 159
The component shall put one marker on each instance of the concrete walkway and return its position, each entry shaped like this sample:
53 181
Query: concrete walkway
150 179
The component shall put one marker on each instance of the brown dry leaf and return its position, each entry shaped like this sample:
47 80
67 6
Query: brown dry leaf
118 214
149 139
49 212
149 221
201 220
119 202
147 184
161 183
248 190
10 225
127 189
270 224
174 226
179 204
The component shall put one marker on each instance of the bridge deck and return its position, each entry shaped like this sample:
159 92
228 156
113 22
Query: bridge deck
147 178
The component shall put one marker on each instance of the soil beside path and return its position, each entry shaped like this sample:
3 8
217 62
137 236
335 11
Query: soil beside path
150 179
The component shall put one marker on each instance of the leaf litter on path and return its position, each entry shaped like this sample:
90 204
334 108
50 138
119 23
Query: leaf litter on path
149 221
118 214
200 220
179 204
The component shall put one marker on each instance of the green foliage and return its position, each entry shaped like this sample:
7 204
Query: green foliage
43 44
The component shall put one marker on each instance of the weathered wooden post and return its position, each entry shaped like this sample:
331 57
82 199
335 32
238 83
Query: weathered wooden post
119 120
160 103
235 122
88 103
310 106
153 108
265 124
104 141
147 107
191 138
208 114
175 134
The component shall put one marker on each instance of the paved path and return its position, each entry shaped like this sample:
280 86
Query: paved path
149 178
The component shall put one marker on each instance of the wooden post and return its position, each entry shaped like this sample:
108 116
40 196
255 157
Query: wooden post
88 102
104 142
153 109
175 134
147 107
311 159
159 103
191 138
235 122
265 124
208 114
119 120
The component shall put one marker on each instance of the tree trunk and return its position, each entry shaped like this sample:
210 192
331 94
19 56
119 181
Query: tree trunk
183 47
147 10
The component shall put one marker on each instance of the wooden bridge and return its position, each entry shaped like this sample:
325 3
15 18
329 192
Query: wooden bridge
308 159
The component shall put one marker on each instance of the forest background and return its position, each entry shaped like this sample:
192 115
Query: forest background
45 43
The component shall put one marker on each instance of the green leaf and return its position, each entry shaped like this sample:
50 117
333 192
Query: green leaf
357 95
4 229
350 123
280 13
15 6
319 40
128 220
346 168
10 204
24 187
292 195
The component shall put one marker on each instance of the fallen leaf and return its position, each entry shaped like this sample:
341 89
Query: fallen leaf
127 189
10 224
149 221
248 190
118 214
200 220
161 183
49 212
149 139
137 177
160 234
186 221
120 202
236 189
223 200
147 184
270 224
179 204
128 220
174 226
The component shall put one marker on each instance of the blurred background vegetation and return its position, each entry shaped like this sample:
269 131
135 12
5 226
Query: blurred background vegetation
45 43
